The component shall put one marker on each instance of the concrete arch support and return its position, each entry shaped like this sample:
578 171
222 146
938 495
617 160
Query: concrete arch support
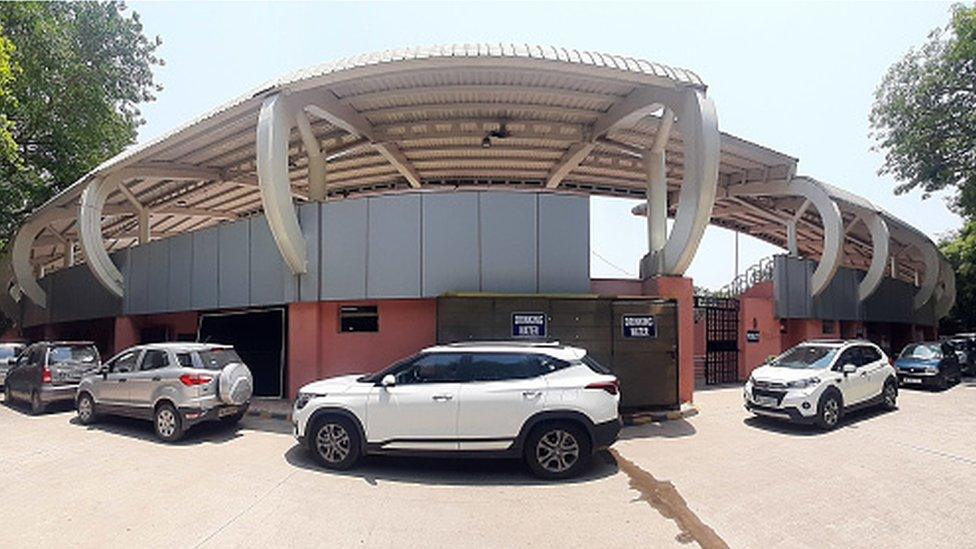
20 257
931 277
880 249
90 233
946 293
275 122
698 124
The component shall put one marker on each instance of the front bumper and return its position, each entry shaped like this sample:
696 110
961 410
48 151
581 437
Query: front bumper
789 413
193 416
606 433
798 405
57 393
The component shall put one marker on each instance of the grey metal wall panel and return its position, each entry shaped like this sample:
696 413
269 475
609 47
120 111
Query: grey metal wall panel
233 288
508 242
180 272
451 260
137 283
564 244
393 247
343 240
308 283
74 294
203 291
271 281
159 275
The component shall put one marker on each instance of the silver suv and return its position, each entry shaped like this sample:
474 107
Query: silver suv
176 385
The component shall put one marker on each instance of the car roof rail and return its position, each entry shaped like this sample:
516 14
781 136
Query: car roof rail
506 343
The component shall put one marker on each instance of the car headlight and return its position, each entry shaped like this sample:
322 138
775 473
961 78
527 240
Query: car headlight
304 398
803 383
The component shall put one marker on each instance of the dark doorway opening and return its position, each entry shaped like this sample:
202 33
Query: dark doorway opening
259 338
721 317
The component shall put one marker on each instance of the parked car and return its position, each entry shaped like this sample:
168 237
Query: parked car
8 356
818 381
551 405
49 372
929 364
966 342
176 385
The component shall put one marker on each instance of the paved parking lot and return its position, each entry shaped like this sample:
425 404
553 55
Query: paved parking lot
900 479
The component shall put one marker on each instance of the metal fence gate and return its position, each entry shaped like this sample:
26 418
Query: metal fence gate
721 316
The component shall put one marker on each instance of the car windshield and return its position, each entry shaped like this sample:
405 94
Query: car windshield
922 352
72 354
376 377
806 357
8 352
216 359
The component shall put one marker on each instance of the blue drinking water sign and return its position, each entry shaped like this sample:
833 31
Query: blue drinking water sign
639 326
529 325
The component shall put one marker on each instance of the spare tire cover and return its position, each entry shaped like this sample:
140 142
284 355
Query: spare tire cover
235 384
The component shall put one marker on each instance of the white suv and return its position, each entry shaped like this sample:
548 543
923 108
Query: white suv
816 382
552 405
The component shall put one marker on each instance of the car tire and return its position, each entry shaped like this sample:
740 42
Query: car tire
889 395
334 442
557 450
168 423
8 398
943 382
86 409
829 411
36 404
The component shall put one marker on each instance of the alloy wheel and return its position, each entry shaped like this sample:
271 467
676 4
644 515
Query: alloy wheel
166 423
890 394
332 442
84 408
557 451
831 412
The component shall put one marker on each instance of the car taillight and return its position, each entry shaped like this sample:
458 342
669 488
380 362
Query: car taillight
612 387
46 375
191 380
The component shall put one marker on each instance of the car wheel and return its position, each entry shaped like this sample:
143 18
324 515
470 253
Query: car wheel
168 423
36 404
829 411
86 409
943 382
335 443
889 395
557 450
7 397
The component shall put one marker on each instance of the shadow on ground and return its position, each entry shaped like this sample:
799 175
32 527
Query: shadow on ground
849 421
204 433
449 471
677 428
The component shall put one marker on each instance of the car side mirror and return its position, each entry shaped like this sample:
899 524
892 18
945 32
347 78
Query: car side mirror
849 369
388 380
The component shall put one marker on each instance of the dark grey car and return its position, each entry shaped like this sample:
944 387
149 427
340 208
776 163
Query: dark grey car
8 356
49 372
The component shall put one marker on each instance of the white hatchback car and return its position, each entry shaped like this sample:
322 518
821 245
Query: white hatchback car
818 381
549 404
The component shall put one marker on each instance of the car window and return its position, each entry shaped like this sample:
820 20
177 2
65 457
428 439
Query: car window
126 362
7 353
851 355
431 368
216 359
72 354
184 360
154 359
806 357
501 366
869 355
36 355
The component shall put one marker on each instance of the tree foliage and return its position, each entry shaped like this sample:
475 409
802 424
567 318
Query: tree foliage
924 116
960 251
72 76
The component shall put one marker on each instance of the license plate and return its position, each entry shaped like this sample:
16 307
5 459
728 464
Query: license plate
765 401
911 380
224 412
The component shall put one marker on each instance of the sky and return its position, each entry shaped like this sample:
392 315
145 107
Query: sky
795 77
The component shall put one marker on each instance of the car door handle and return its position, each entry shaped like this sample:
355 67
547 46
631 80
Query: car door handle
122 380
442 398
531 394
157 378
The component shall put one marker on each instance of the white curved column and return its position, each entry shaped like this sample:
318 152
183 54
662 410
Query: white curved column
880 249
947 287
20 258
830 218
316 159
698 124
931 277
274 126
90 235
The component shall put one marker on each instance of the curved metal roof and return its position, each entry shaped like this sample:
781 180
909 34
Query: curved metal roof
438 105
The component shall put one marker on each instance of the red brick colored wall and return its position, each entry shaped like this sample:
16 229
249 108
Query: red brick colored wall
317 349
681 290
127 327
757 313
616 287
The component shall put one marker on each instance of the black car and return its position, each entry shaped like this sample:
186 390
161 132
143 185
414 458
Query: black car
967 344
49 372
930 364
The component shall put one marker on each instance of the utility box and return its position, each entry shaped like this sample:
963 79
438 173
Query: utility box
636 337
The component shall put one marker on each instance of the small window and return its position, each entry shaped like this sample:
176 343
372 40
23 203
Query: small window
154 359
828 326
125 362
359 318
501 366
184 360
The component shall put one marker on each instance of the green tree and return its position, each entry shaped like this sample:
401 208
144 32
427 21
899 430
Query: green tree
960 251
924 116
75 75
